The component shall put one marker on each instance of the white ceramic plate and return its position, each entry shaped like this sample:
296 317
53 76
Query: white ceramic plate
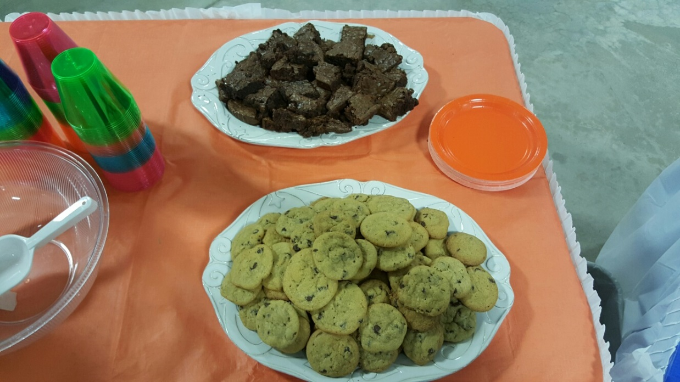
205 97
450 359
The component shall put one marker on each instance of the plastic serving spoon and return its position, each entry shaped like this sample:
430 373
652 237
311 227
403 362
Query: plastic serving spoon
16 252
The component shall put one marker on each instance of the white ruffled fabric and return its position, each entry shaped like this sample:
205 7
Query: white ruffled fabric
255 11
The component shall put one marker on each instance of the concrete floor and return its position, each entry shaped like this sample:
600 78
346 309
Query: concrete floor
602 76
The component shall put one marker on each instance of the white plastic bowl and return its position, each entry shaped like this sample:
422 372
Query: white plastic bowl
37 181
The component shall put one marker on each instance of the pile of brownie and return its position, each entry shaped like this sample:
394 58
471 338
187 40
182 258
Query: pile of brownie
312 86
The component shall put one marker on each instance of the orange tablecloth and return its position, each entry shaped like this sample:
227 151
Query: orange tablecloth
147 317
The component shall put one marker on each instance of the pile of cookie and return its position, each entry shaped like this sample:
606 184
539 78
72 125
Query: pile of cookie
357 280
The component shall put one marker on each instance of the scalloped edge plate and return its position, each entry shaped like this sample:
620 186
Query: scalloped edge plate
451 358
205 98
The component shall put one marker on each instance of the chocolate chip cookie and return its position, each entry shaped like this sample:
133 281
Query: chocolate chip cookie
392 259
384 229
383 329
459 322
337 255
466 248
370 259
422 347
306 286
435 248
376 292
294 218
434 221
248 237
376 362
334 221
277 323
344 313
454 271
237 295
248 313
281 254
252 266
424 290
484 291
419 236
393 204
332 355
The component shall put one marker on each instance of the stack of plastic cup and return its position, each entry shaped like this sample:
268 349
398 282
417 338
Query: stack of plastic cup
20 117
38 40
105 116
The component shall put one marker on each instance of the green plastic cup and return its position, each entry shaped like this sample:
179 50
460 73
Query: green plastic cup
98 107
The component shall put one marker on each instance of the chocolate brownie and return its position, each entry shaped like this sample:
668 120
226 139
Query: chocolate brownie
268 124
344 53
349 70
308 32
354 34
324 124
360 109
328 76
370 80
398 76
274 48
326 45
284 70
338 100
242 112
264 100
306 106
287 121
247 77
302 88
384 56
307 53
397 103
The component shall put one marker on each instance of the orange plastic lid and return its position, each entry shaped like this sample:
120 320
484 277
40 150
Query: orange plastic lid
487 142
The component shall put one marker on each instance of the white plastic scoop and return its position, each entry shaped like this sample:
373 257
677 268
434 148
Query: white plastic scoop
16 252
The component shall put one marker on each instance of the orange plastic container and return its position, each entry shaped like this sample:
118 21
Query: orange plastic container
487 142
